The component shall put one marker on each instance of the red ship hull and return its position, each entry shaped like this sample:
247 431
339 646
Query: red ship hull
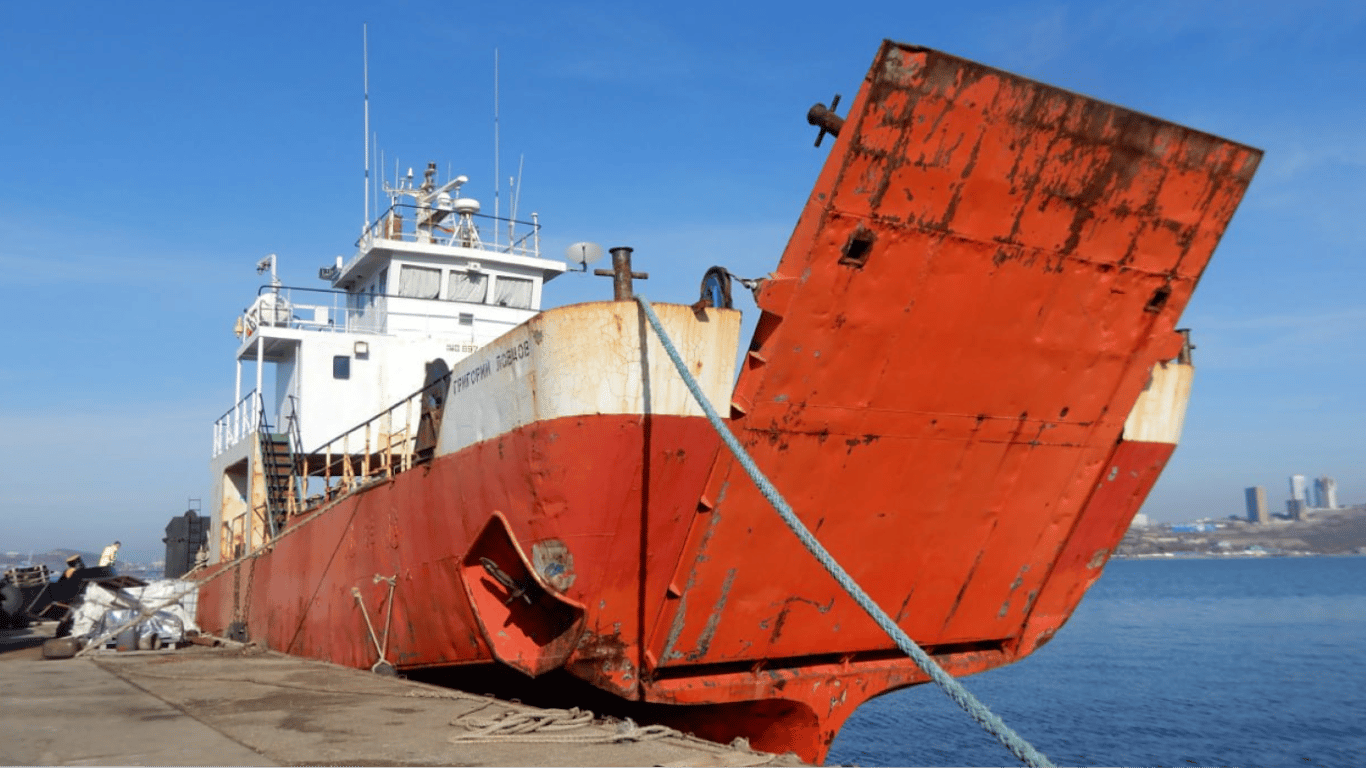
420 524
979 290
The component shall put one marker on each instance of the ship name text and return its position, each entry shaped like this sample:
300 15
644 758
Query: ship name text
503 359
471 377
519 351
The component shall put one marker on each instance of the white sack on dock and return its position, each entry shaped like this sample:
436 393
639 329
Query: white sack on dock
102 609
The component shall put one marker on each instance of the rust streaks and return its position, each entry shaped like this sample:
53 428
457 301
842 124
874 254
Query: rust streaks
714 620
781 620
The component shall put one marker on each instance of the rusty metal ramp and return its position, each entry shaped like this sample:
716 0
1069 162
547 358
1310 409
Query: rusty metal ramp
970 304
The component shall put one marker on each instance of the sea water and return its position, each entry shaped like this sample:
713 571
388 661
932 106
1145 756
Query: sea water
1176 662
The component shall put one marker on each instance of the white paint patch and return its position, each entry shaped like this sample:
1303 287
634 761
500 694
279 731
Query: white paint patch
1160 412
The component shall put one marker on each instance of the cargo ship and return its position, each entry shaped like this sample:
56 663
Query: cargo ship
965 377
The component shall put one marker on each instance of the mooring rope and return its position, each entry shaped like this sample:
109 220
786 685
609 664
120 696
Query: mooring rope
550 726
955 690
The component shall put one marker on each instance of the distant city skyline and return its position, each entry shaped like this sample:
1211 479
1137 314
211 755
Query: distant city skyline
1323 494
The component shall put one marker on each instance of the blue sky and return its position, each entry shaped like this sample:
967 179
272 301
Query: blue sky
149 157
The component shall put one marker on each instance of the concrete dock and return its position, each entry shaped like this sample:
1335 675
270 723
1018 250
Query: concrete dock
210 706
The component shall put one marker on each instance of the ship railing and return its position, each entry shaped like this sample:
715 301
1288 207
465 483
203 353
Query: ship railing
232 542
314 309
331 311
386 444
408 223
241 420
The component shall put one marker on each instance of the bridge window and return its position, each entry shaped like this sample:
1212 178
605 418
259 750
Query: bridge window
341 366
513 292
468 286
419 282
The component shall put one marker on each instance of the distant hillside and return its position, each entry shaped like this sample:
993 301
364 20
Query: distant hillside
1324 532
54 559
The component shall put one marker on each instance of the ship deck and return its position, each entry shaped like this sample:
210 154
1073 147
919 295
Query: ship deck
211 706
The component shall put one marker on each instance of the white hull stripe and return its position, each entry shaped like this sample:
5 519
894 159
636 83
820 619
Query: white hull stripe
586 359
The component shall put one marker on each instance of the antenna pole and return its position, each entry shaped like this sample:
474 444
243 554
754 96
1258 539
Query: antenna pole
365 64
495 146
514 197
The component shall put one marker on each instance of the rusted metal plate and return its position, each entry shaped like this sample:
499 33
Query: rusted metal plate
526 622
1150 436
1129 475
971 302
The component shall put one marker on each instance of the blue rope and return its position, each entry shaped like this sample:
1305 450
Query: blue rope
955 690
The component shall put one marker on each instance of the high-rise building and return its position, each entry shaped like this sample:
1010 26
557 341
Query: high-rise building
1298 489
1256 505
1326 493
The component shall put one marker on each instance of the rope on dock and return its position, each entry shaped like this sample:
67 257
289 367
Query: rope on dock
550 726
961 696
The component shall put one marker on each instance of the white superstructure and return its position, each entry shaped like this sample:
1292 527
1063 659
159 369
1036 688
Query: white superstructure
425 284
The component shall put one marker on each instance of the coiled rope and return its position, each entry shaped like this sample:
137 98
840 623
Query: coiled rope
955 690
550 726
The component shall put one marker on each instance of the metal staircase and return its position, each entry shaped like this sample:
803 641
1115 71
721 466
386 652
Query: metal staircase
281 470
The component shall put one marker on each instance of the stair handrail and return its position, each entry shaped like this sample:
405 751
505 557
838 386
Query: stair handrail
267 451
298 469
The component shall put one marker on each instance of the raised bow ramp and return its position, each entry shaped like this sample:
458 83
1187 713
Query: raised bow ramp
978 290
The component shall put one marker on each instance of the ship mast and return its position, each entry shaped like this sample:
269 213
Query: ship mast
365 66
495 145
